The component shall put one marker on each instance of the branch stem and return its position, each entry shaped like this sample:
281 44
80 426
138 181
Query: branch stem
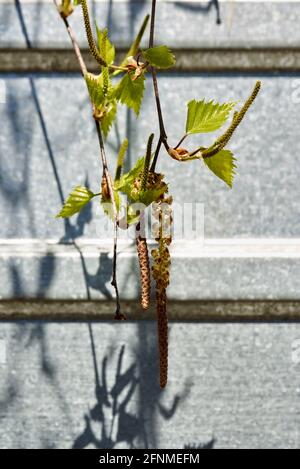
163 136
108 178
114 282
180 141
73 40
118 67
158 147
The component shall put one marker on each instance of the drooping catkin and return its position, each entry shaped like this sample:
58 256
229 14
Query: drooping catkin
147 181
143 256
161 274
92 45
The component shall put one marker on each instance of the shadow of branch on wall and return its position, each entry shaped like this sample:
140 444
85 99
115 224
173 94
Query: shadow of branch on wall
203 8
129 407
209 445
114 421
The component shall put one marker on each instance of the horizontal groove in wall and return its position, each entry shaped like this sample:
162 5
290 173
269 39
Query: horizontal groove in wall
200 311
188 60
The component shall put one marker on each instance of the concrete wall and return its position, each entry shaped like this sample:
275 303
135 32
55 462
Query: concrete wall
232 383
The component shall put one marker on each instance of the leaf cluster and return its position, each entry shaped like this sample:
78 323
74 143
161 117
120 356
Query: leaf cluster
106 93
209 116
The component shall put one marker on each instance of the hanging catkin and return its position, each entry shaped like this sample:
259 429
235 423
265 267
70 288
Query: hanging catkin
93 48
141 241
143 256
161 274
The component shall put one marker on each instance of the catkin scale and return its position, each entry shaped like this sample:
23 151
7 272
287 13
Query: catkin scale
162 326
143 256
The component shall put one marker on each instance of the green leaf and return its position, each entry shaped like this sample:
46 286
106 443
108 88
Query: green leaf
131 92
78 198
108 117
128 185
134 48
126 181
95 87
101 94
77 2
222 164
106 48
159 56
100 87
151 195
133 216
206 116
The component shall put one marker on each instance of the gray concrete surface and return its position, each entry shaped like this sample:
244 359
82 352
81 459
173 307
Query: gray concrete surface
42 141
194 24
213 272
230 386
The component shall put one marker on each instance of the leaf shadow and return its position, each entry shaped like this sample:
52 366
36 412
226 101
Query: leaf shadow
202 8
112 423
209 445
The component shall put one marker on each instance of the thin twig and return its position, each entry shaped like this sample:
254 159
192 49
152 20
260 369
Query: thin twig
180 141
152 169
147 163
74 41
152 24
104 165
163 135
77 49
114 283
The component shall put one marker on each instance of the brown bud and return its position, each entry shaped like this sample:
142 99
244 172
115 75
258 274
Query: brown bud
179 154
104 188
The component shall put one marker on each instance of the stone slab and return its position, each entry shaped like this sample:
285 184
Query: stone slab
230 386
187 60
46 149
195 24
215 271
